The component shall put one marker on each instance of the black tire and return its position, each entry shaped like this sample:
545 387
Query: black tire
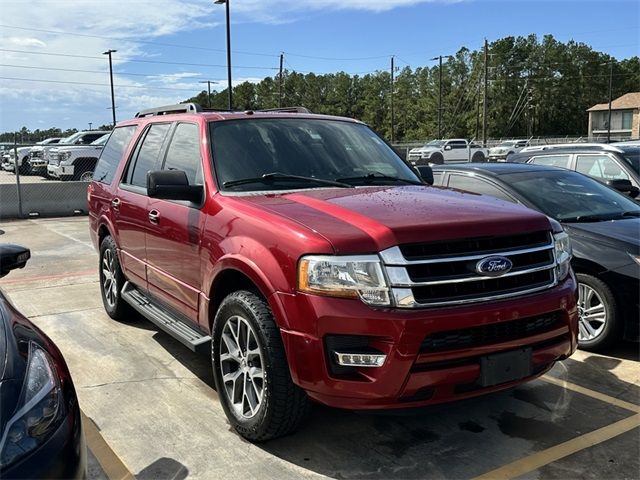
612 331
25 167
478 157
284 405
437 159
117 309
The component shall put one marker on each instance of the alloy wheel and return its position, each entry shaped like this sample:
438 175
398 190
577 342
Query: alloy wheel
592 313
242 367
86 177
109 282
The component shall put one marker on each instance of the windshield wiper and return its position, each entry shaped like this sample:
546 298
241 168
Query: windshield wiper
273 176
603 217
631 213
379 176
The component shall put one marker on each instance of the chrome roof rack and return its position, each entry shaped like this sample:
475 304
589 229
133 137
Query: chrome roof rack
170 109
286 110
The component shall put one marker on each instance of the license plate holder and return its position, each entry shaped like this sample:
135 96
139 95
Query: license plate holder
505 367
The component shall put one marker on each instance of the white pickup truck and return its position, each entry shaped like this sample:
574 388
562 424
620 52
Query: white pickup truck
75 162
453 150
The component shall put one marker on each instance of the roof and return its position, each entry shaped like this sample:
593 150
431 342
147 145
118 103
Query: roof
625 102
495 169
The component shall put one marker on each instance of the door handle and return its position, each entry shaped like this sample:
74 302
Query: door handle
154 216
115 203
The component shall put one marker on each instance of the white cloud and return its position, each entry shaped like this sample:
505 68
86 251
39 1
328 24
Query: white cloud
24 42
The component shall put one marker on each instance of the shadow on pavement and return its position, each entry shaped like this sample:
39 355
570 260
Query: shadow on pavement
165 468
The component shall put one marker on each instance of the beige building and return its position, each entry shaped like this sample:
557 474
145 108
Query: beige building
625 118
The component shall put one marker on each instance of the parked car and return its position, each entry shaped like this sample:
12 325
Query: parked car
39 155
603 226
40 427
609 166
75 162
438 152
288 246
566 146
23 156
631 154
502 151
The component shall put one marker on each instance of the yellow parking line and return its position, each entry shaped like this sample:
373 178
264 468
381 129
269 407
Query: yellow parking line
540 459
113 467
592 393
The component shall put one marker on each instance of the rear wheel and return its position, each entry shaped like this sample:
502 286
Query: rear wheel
599 324
111 281
251 371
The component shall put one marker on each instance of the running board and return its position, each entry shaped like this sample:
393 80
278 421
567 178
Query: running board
178 329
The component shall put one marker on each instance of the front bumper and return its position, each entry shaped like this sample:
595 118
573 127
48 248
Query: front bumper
63 455
59 171
38 164
411 375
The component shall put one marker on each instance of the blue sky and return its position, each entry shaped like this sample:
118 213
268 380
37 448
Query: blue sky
70 89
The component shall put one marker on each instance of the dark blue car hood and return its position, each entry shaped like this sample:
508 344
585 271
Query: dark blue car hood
612 232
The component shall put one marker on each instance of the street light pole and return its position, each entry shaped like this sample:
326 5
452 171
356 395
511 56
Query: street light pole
610 90
90 123
439 58
113 98
392 110
226 3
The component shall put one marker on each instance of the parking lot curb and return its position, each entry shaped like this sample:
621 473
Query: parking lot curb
113 466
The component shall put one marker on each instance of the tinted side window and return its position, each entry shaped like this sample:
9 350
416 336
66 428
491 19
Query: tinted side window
552 160
148 155
112 153
184 153
457 145
600 166
478 185
438 177
90 137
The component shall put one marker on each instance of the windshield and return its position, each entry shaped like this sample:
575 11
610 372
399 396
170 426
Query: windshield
71 138
570 196
507 144
276 149
632 156
101 141
435 143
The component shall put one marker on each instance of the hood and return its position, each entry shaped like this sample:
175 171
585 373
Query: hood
424 149
370 219
77 147
612 232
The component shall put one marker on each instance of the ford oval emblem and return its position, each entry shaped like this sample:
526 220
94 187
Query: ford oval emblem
494 266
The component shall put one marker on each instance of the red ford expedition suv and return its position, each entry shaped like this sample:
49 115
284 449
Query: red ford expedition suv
312 263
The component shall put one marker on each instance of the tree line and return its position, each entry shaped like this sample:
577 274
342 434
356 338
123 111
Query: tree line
536 87
24 135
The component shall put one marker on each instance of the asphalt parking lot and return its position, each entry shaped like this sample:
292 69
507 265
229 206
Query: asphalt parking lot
9 178
151 410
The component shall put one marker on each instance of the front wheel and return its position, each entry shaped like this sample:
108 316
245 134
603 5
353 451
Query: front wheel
251 372
478 157
599 323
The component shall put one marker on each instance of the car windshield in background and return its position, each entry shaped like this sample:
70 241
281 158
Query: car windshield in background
101 141
279 154
71 138
435 143
632 156
571 197
507 144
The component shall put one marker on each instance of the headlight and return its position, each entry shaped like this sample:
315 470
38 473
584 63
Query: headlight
63 156
39 411
563 254
357 276
635 258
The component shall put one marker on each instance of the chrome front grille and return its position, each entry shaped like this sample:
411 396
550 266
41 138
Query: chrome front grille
444 273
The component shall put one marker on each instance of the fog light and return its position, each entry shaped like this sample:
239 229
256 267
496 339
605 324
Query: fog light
360 359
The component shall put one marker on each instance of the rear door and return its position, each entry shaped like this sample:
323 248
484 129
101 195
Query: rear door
130 203
459 151
175 228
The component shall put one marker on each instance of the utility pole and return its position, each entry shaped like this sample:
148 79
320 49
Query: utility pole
478 108
208 82
281 80
484 104
392 112
610 91
113 98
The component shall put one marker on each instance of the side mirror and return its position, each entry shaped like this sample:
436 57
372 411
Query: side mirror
426 173
623 186
12 257
447 147
173 185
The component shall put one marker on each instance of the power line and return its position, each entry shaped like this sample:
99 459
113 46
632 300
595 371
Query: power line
136 60
313 57
101 72
133 40
97 84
